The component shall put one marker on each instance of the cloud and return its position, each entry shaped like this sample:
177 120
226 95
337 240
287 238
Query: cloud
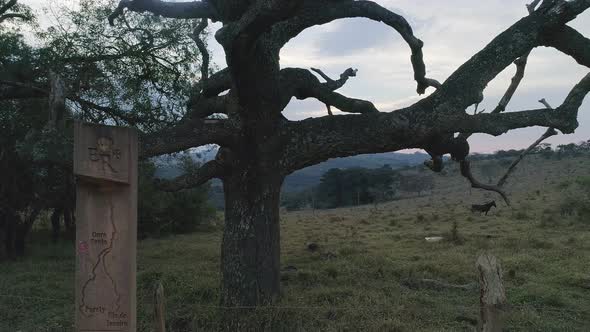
348 38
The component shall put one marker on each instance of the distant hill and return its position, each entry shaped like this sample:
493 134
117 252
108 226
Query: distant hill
307 177
310 176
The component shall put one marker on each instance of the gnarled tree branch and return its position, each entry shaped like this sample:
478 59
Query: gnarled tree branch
314 140
569 41
188 134
550 132
318 12
208 106
12 15
193 9
302 84
464 87
210 170
196 37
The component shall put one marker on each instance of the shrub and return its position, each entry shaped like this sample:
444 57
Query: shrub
454 236
520 215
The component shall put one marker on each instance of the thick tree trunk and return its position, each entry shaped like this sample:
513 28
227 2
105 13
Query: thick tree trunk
251 240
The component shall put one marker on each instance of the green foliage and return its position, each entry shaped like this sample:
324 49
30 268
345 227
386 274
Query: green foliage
162 213
355 186
141 71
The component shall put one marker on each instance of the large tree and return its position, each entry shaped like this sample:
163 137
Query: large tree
259 146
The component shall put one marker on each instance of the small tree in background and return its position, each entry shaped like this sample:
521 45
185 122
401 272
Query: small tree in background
163 213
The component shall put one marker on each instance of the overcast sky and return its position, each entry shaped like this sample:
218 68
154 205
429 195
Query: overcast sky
453 31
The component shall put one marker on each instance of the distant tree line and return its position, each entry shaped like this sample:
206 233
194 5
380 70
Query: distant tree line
545 150
358 186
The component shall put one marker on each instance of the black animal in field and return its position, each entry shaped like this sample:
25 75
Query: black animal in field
483 208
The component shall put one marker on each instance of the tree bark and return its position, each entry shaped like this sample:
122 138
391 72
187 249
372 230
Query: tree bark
251 241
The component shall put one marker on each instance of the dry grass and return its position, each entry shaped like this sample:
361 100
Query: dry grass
357 280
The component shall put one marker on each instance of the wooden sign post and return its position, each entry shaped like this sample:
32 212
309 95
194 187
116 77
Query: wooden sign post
105 163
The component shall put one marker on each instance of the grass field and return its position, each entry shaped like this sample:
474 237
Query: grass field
366 274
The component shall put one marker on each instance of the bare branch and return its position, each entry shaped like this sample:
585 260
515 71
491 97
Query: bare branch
550 132
531 7
193 9
337 84
110 111
520 67
196 36
12 15
466 172
210 170
569 41
573 101
464 87
302 84
545 103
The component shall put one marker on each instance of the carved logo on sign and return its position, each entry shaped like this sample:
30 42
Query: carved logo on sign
105 152
102 153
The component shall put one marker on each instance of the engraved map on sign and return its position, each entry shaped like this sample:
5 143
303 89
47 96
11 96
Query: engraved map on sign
100 296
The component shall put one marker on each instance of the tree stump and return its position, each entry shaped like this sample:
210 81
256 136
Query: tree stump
492 295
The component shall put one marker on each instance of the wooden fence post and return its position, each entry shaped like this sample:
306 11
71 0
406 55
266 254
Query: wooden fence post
159 308
492 295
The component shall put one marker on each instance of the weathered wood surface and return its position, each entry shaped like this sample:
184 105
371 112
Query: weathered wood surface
159 308
492 294
106 228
